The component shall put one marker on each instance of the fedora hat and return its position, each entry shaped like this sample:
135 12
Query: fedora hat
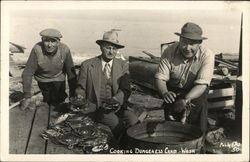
191 31
110 37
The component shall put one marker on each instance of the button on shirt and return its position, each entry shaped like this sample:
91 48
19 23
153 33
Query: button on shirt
186 73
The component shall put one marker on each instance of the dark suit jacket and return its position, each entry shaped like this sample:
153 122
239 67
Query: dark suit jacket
89 80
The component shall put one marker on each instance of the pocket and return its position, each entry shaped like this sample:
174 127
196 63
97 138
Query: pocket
175 73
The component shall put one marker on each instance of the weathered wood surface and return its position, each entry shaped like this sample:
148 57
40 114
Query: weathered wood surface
56 148
221 92
220 104
20 123
36 143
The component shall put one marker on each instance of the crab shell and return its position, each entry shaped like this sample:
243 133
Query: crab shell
87 131
94 142
60 119
100 148
68 139
52 132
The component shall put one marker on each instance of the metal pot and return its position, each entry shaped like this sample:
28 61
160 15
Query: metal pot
164 137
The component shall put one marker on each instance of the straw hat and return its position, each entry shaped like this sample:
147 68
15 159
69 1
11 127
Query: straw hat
110 37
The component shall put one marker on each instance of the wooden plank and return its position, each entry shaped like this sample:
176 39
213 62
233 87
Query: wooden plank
212 105
19 126
221 92
36 143
54 148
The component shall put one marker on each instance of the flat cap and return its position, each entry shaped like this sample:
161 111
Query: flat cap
52 33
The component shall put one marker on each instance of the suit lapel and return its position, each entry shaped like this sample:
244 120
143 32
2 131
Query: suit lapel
96 76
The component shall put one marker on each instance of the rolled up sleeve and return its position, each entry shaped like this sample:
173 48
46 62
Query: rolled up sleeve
163 70
205 73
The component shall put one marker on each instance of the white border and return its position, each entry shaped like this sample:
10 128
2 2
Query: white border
8 6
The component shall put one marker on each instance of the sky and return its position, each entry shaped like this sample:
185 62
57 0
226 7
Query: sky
141 29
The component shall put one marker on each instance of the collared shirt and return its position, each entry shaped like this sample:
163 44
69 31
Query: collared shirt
104 63
185 74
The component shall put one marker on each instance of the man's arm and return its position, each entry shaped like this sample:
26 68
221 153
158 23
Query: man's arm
161 86
195 92
161 77
124 90
168 96
71 74
28 73
81 82
204 77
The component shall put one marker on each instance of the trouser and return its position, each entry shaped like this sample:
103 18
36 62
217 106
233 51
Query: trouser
198 113
53 92
117 122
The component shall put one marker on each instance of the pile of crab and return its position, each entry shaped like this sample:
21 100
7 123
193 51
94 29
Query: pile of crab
77 131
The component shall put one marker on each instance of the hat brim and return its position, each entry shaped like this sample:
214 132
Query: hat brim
99 42
193 38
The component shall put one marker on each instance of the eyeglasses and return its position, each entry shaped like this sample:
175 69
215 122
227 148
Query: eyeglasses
110 48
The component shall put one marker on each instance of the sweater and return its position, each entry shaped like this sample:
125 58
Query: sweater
48 68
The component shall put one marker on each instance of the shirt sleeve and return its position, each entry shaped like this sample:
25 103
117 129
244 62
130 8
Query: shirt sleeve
71 74
28 73
205 73
163 70
69 65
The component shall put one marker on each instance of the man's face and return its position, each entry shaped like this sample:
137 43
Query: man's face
109 51
50 44
189 47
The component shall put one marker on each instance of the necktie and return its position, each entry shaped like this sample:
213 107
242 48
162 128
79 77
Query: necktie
107 71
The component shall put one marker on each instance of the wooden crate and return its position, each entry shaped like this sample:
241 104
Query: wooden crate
221 96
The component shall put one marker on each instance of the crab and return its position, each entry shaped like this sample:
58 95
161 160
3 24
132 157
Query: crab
109 106
50 133
68 139
94 144
214 137
60 119
81 105
87 131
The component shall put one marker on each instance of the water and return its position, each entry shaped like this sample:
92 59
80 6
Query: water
165 139
140 29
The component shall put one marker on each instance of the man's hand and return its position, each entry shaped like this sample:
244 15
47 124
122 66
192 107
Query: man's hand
78 96
25 103
169 97
111 105
179 105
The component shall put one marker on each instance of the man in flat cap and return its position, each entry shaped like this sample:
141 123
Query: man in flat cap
104 80
49 62
184 74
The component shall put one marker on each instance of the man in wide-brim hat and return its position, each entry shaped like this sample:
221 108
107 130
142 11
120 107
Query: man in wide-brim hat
183 76
104 81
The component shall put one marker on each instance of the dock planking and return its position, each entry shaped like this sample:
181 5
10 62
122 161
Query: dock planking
36 143
55 148
20 123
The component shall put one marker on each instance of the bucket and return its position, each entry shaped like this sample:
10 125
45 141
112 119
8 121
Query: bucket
164 137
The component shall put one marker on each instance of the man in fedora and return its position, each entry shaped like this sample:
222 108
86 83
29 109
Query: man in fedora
183 76
104 80
49 62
